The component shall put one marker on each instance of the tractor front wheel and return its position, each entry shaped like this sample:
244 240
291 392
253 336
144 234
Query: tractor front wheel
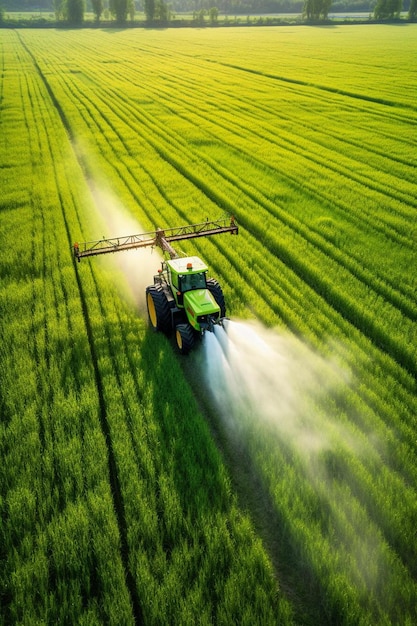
185 338
158 309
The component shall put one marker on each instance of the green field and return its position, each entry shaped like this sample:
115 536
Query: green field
275 482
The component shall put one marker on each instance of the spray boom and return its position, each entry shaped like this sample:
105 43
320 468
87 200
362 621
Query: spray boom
182 298
161 238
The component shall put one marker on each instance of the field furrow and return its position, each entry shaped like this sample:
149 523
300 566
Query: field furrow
410 360
270 476
372 218
57 559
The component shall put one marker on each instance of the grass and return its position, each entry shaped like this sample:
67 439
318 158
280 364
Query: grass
116 498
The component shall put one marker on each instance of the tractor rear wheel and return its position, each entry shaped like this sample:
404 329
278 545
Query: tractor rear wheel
185 338
217 293
158 309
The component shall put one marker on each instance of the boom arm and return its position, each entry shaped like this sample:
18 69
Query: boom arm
160 238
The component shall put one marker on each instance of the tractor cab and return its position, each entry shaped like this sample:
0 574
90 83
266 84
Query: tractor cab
187 277
187 282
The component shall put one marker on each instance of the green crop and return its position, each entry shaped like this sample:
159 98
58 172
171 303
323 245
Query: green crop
121 492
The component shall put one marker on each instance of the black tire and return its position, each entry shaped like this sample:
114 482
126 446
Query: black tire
185 338
217 293
159 310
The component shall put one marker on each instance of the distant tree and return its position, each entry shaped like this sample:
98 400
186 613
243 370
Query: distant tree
387 9
59 9
74 12
412 12
198 17
98 7
326 4
316 9
162 11
213 15
1 14
119 9
150 10
131 9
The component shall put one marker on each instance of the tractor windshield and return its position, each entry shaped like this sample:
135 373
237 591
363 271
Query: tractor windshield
192 281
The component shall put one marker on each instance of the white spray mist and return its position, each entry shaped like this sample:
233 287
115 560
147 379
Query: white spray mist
258 373
132 270
267 386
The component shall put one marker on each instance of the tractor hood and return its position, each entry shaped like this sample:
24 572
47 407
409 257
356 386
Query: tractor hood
197 303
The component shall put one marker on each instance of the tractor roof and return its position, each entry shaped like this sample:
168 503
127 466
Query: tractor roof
187 265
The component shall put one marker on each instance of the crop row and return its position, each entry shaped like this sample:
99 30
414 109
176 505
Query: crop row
164 156
60 539
170 156
351 238
127 493
364 295
164 175
300 57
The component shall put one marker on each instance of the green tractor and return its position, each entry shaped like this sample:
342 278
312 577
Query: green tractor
182 298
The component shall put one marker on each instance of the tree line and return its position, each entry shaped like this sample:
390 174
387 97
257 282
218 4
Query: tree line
162 11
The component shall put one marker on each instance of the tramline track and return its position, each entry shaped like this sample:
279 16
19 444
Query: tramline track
376 487
346 309
116 489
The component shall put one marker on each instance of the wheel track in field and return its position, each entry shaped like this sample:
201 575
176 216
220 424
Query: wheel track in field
116 490
325 88
255 499
294 145
358 318
347 308
349 261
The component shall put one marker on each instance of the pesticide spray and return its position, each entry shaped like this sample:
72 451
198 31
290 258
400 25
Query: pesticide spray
265 386
272 392
257 373
135 268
